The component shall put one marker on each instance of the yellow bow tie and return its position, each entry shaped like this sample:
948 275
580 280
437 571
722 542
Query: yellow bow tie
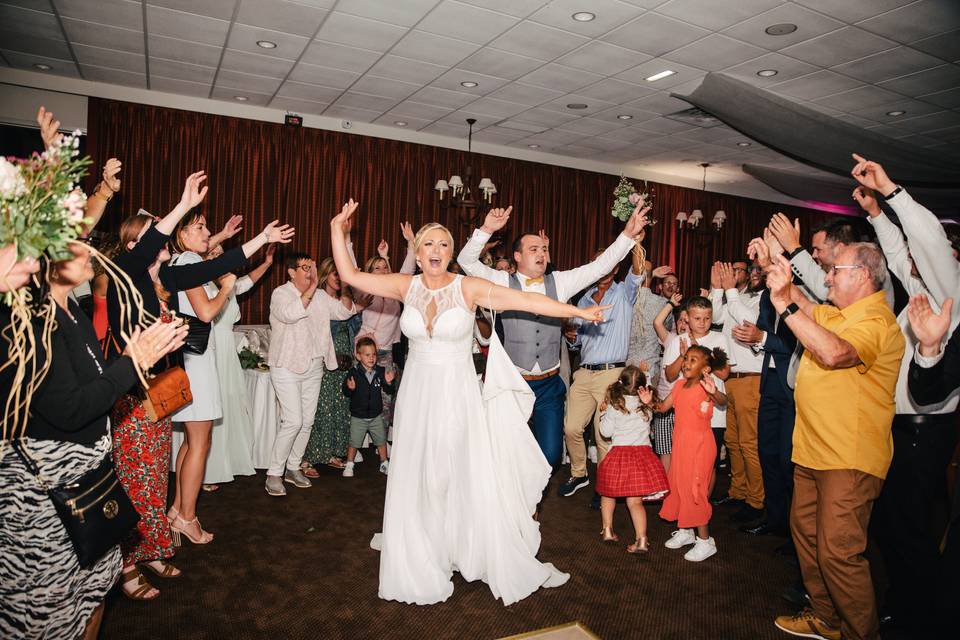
533 281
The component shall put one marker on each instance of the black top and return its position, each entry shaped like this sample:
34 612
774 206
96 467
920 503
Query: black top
173 278
74 400
365 400
933 385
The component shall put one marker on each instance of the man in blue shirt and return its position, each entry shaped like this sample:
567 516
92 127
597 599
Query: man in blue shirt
603 354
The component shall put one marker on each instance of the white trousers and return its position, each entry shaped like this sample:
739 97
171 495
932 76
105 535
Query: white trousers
298 394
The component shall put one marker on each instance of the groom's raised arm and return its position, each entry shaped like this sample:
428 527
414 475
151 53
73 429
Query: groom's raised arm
469 257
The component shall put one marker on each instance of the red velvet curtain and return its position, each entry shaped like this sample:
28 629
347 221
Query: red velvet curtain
302 176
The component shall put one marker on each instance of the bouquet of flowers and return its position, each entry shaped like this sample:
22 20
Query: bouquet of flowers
626 198
250 359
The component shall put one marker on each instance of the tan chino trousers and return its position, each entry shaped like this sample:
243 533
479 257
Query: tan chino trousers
743 400
586 393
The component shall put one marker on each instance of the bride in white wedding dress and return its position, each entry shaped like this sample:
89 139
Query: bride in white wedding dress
466 473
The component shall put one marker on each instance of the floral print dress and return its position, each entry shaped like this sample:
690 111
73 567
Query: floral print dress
331 427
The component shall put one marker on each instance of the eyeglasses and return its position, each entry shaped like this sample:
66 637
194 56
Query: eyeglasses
306 268
837 267
754 269
739 269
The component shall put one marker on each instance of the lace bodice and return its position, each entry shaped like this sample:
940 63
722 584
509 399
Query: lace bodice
434 316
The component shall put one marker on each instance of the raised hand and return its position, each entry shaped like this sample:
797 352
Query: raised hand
342 219
407 230
389 374
872 176
676 299
193 194
774 248
232 227
929 327
544 239
275 232
268 256
684 345
49 127
593 314
645 394
728 277
867 200
662 271
787 234
149 345
496 219
708 384
383 249
747 333
638 220
351 383
779 279
110 171
715 275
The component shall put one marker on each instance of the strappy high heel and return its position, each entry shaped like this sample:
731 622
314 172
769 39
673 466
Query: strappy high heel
142 589
172 515
180 525
641 545
168 571
607 535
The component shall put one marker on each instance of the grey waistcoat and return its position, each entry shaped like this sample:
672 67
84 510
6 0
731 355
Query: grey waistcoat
530 338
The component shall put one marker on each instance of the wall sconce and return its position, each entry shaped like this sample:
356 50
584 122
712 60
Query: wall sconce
718 218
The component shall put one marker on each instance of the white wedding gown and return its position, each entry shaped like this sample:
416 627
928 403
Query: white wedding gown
466 474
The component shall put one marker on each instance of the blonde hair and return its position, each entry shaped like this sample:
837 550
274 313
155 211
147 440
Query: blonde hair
427 228
371 263
324 269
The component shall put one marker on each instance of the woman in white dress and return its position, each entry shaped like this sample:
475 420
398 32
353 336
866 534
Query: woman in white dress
464 480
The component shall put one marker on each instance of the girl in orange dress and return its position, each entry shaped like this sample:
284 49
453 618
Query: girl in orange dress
693 398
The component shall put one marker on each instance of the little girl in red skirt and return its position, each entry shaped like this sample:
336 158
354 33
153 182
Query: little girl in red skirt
630 470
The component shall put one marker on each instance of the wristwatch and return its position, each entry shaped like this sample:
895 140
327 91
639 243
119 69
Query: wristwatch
791 309
893 193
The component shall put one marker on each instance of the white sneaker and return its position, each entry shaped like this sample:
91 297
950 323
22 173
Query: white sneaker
702 550
358 457
384 467
348 470
680 538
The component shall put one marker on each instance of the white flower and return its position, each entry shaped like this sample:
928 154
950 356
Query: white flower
11 181
75 204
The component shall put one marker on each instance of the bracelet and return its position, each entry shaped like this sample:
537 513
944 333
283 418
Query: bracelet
893 193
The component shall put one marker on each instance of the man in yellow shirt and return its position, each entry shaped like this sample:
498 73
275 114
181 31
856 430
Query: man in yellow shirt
842 443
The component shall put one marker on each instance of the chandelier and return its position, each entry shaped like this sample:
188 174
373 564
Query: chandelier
461 199
695 217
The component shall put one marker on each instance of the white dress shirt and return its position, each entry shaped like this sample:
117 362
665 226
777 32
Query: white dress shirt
737 308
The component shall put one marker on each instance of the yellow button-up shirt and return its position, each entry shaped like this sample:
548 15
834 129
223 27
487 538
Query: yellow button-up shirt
844 416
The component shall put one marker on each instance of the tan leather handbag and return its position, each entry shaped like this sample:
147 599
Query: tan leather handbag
168 391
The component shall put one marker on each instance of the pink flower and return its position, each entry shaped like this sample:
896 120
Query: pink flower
75 204
635 198
11 181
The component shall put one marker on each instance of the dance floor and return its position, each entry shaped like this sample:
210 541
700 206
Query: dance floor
300 568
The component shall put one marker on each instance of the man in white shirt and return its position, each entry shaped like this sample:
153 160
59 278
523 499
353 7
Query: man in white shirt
533 342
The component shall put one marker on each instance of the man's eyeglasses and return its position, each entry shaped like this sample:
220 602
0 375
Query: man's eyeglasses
838 267
754 269
740 269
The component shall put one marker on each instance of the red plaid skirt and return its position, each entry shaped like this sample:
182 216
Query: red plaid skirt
630 472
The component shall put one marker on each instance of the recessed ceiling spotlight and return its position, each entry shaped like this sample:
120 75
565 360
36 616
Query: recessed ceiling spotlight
781 29
660 76
400 123
624 116
266 44
743 144
576 105
767 73
584 16
42 67
468 84
896 113
241 98
534 146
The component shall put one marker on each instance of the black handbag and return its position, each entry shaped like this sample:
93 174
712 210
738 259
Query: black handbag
95 510
198 335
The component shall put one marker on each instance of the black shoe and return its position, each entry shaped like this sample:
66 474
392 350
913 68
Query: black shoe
572 485
796 595
595 502
728 500
763 528
747 514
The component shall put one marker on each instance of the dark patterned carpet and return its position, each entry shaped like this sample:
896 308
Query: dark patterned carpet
300 568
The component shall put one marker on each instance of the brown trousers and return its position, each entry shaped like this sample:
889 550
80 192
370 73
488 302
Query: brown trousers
746 477
586 393
829 517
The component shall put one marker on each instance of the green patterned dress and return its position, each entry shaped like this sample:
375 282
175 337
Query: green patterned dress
331 428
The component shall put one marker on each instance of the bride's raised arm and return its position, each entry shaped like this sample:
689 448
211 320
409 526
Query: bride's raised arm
391 285
479 292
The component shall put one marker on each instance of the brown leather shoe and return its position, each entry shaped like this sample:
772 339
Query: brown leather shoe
806 624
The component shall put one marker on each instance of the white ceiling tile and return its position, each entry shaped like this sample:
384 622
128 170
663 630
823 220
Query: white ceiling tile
413 124
493 107
363 101
837 47
110 58
932 122
714 52
81 32
537 41
26 43
179 86
915 21
940 78
687 87
406 70
41 24
713 135
654 34
278 15
593 126
183 51
459 118
244 38
519 125
593 105
638 115
114 76
609 14
949 99
59 67
338 56
663 126
615 91
406 13
545 117
706 13
603 58
559 136
603 144
297 106
856 99
816 85
246 81
786 68
525 94
945 46
640 73
853 10
485 84
497 135
446 129
36 5
229 95
308 92
116 13
325 76
500 63
561 78
255 64
466 22
171 69
351 113
810 24
913 108
186 26
385 87
429 47
442 97
517 8
418 110
222 9
888 64
359 32
661 103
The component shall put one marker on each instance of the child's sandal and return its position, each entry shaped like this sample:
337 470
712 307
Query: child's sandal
641 545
